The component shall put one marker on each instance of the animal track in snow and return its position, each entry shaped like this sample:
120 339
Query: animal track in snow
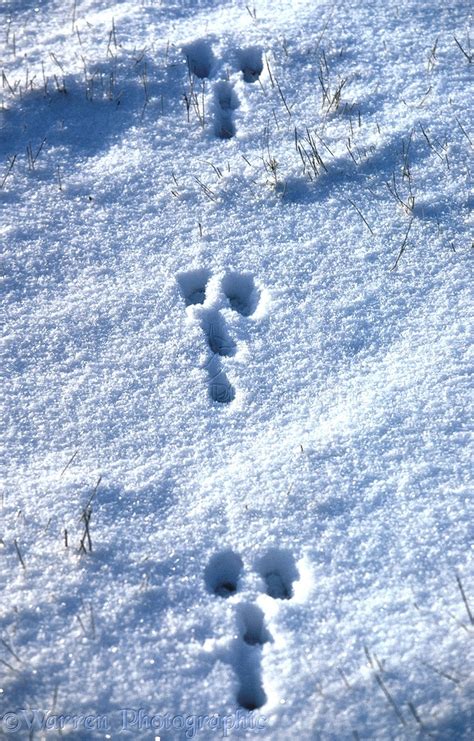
250 62
278 570
221 577
247 656
217 335
226 103
200 58
193 286
241 292
203 64
243 297
223 572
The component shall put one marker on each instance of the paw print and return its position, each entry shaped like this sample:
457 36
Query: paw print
278 572
203 65
239 292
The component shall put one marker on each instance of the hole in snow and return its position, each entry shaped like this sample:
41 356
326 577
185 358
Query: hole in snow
200 58
225 128
251 696
241 291
226 96
193 285
217 335
252 625
247 656
250 62
223 572
226 102
278 570
220 389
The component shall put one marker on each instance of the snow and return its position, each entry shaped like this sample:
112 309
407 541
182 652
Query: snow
236 309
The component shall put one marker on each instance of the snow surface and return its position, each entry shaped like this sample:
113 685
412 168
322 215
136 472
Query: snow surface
235 295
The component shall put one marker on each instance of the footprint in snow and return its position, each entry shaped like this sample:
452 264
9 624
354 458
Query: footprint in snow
203 64
243 297
222 574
